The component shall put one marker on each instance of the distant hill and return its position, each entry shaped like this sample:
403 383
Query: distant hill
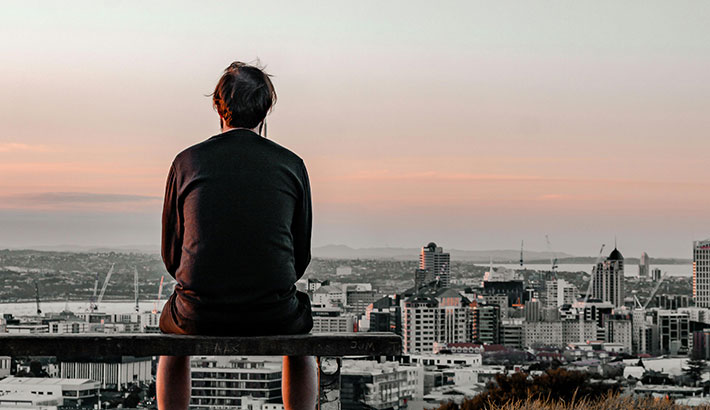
149 249
346 252
499 256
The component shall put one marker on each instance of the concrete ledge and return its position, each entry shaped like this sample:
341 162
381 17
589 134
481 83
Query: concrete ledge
150 344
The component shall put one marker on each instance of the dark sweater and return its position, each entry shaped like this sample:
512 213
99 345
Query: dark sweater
236 227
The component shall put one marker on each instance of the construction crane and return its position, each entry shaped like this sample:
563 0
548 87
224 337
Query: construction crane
638 302
39 311
135 286
160 294
553 257
104 286
586 296
655 289
92 299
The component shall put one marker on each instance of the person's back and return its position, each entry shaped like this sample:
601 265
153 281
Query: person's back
236 237
237 234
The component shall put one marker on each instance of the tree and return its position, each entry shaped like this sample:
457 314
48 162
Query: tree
37 370
554 385
695 367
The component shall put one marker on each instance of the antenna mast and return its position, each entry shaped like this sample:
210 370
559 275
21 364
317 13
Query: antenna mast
135 286
39 311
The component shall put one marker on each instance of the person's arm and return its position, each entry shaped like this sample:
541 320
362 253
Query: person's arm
302 225
171 243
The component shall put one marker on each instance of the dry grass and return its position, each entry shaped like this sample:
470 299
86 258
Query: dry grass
608 403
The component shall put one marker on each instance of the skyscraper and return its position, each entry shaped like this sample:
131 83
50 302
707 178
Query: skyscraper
644 265
701 273
436 262
608 279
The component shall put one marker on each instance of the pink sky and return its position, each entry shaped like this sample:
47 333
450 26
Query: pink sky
474 125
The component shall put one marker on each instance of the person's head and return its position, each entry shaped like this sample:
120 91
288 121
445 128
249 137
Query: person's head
243 96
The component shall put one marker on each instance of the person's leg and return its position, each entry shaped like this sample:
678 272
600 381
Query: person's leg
172 384
299 382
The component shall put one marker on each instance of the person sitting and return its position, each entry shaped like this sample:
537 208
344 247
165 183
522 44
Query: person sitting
236 236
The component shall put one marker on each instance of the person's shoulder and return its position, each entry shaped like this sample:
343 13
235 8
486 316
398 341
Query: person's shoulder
285 152
220 142
187 154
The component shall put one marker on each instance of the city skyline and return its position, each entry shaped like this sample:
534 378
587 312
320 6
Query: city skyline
476 125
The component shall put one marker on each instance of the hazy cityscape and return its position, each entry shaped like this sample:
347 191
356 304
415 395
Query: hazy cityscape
486 205
635 325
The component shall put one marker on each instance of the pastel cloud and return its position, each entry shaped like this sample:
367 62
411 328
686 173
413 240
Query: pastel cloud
20 147
78 200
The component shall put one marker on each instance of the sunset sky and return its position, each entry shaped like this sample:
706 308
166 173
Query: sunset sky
471 124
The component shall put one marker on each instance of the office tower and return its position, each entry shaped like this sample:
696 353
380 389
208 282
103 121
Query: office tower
673 330
644 265
486 324
608 279
701 273
437 263
656 274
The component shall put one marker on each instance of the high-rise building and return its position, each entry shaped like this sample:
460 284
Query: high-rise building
608 279
560 292
512 334
619 329
701 273
437 263
644 265
384 315
505 282
486 324
434 315
673 330
656 274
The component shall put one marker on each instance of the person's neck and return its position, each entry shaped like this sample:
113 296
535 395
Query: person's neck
225 129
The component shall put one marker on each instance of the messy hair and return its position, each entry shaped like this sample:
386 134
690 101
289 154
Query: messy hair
244 95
